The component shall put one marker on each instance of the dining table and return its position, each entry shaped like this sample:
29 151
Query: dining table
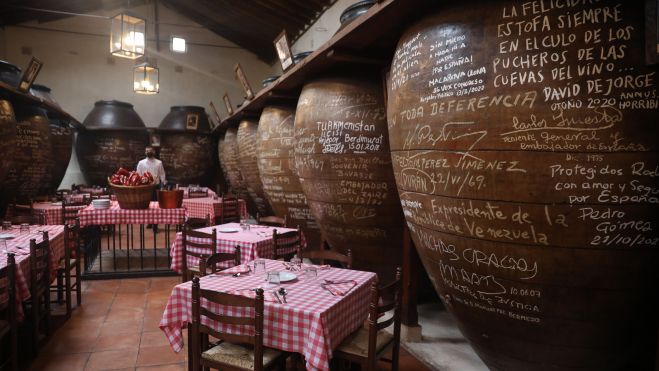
312 321
211 206
18 243
186 194
50 213
255 242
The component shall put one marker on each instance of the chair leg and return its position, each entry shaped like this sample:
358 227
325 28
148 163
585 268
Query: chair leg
60 286
67 280
395 355
78 284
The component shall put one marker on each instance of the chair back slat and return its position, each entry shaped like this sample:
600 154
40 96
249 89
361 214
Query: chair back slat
40 263
230 320
209 246
230 209
272 221
196 223
223 298
232 338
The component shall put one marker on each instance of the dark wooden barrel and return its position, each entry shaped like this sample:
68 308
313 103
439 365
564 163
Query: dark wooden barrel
343 161
276 161
249 168
229 159
7 130
524 143
186 148
114 136
31 157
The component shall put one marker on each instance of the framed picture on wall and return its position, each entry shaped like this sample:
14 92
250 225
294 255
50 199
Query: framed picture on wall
284 51
192 121
30 74
227 103
155 140
240 76
216 116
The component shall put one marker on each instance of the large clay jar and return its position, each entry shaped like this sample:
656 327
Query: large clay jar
114 136
229 160
31 155
343 161
186 148
61 135
7 130
249 165
276 160
524 141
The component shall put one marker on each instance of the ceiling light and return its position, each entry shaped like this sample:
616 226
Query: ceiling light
127 36
146 79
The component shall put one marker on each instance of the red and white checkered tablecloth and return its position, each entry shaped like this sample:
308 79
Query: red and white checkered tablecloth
51 213
116 215
313 322
20 247
254 243
200 207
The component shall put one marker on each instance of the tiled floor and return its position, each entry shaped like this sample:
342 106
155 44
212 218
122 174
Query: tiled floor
116 328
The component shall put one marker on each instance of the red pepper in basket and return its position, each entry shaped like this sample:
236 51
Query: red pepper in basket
123 171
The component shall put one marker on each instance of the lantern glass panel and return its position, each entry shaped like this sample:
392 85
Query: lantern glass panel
127 36
146 79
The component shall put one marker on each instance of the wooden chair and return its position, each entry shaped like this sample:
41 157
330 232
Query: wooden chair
70 268
272 220
196 223
230 210
21 213
234 352
60 193
218 257
323 256
8 317
209 247
70 211
39 301
197 194
286 244
41 198
366 345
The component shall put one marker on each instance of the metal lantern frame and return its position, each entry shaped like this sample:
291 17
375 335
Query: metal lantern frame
128 36
146 79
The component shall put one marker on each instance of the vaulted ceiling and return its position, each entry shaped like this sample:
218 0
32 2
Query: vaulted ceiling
251 24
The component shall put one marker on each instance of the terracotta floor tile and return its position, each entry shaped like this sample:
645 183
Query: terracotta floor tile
69 342
98 297
134 285
66 362
111 360
153 339
133 300
161 355
121 327
152 320
164 284
125 314
108 286
174 367
117 341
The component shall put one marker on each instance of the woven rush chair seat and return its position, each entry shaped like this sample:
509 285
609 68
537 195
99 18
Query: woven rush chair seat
239 355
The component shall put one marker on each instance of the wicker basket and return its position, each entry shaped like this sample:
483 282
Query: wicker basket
133 197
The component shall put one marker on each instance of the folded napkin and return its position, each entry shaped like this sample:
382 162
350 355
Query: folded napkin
339 288
243 268
319 267
250 293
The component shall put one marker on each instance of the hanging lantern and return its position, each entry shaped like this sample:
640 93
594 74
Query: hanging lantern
127 37
146 79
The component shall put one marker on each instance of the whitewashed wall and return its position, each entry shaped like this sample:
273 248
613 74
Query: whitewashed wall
80 70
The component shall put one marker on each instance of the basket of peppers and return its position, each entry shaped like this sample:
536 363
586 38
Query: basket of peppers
133 191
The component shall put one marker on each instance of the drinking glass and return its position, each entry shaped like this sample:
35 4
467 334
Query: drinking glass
273 278
296 263
259 267
6 225
25 227
310 274
3 246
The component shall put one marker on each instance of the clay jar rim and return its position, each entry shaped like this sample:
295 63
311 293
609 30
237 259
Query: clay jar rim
193 109
138 124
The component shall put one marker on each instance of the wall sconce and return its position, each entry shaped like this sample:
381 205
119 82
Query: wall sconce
127 36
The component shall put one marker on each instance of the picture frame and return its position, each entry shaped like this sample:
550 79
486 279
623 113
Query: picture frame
30 74
283 51
227 103
154 140
216 116
192 121
240 76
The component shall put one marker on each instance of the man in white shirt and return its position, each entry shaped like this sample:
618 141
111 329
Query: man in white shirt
153 166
